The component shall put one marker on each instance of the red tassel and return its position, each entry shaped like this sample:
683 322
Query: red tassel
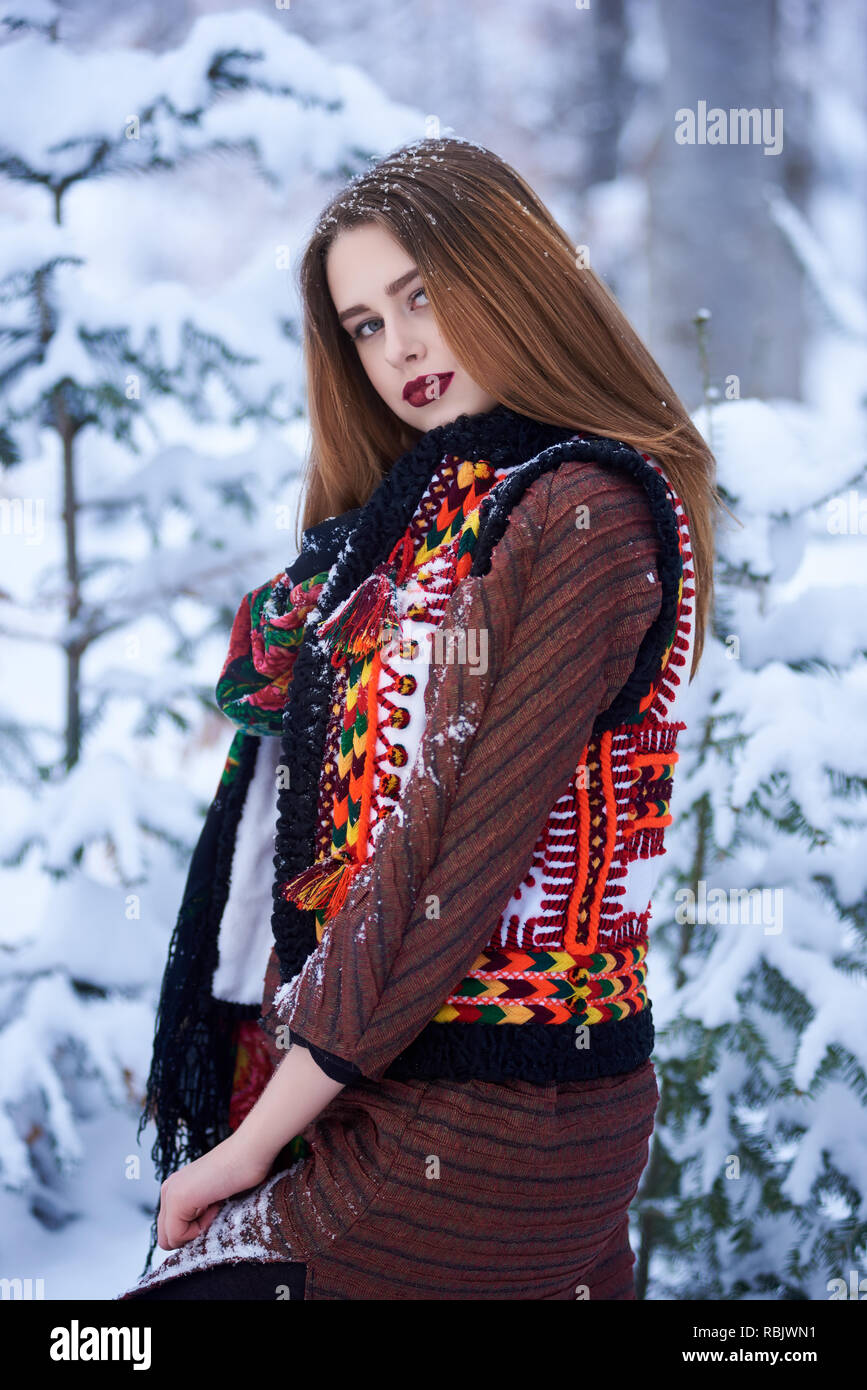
369 617
354 630
323 885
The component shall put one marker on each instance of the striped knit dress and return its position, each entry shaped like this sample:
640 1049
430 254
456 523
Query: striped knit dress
417 1188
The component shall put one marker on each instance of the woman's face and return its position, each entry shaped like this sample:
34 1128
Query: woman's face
381 304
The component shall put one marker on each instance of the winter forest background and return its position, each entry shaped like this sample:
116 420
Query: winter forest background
160 168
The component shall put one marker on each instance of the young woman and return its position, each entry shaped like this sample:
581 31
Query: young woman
465 690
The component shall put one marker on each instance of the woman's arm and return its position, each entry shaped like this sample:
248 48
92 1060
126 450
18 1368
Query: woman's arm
190 1198
295 1094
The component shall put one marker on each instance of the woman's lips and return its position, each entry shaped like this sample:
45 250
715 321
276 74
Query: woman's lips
427 388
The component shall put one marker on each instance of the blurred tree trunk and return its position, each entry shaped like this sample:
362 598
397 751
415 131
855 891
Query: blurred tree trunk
609 94
712 242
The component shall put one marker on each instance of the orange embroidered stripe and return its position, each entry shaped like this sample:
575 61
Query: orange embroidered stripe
634 759
447 515
620 986
446 526
617 964
464 564
495 989
341 811
353 693
357 695
655 821
446 519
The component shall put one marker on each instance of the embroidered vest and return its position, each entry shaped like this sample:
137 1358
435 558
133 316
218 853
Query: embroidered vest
566 959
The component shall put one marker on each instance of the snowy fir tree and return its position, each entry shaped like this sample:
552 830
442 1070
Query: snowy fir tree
754 1188
152 427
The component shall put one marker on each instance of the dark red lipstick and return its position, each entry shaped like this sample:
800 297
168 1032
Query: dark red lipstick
424 389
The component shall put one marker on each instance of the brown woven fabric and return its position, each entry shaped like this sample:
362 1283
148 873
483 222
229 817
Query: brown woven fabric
474 1190
463 1190
449 1190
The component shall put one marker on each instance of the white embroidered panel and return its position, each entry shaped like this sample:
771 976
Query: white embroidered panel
413 652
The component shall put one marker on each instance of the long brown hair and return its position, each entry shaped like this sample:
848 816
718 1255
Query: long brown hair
530 326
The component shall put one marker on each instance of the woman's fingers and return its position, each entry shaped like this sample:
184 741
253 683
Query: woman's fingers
175 1228
207 1216
184 1210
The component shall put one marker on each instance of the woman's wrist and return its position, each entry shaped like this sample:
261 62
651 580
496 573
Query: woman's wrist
245 1153
295 1094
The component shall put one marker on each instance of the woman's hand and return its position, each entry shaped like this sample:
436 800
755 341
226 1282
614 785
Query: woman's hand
191 1196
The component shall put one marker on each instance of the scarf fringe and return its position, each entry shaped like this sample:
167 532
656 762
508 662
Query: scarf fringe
195 1034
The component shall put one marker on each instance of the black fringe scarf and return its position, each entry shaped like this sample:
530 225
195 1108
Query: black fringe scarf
192 1070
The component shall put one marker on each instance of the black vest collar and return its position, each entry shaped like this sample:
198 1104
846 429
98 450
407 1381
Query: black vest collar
502 436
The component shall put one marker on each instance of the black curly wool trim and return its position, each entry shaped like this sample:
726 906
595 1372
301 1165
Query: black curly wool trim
321 544
502 436
193 1061
537 1052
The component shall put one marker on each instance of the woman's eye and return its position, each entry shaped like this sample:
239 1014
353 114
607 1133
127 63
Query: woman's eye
359 332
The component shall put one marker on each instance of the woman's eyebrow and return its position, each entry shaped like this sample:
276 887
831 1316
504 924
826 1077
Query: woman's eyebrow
392 289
